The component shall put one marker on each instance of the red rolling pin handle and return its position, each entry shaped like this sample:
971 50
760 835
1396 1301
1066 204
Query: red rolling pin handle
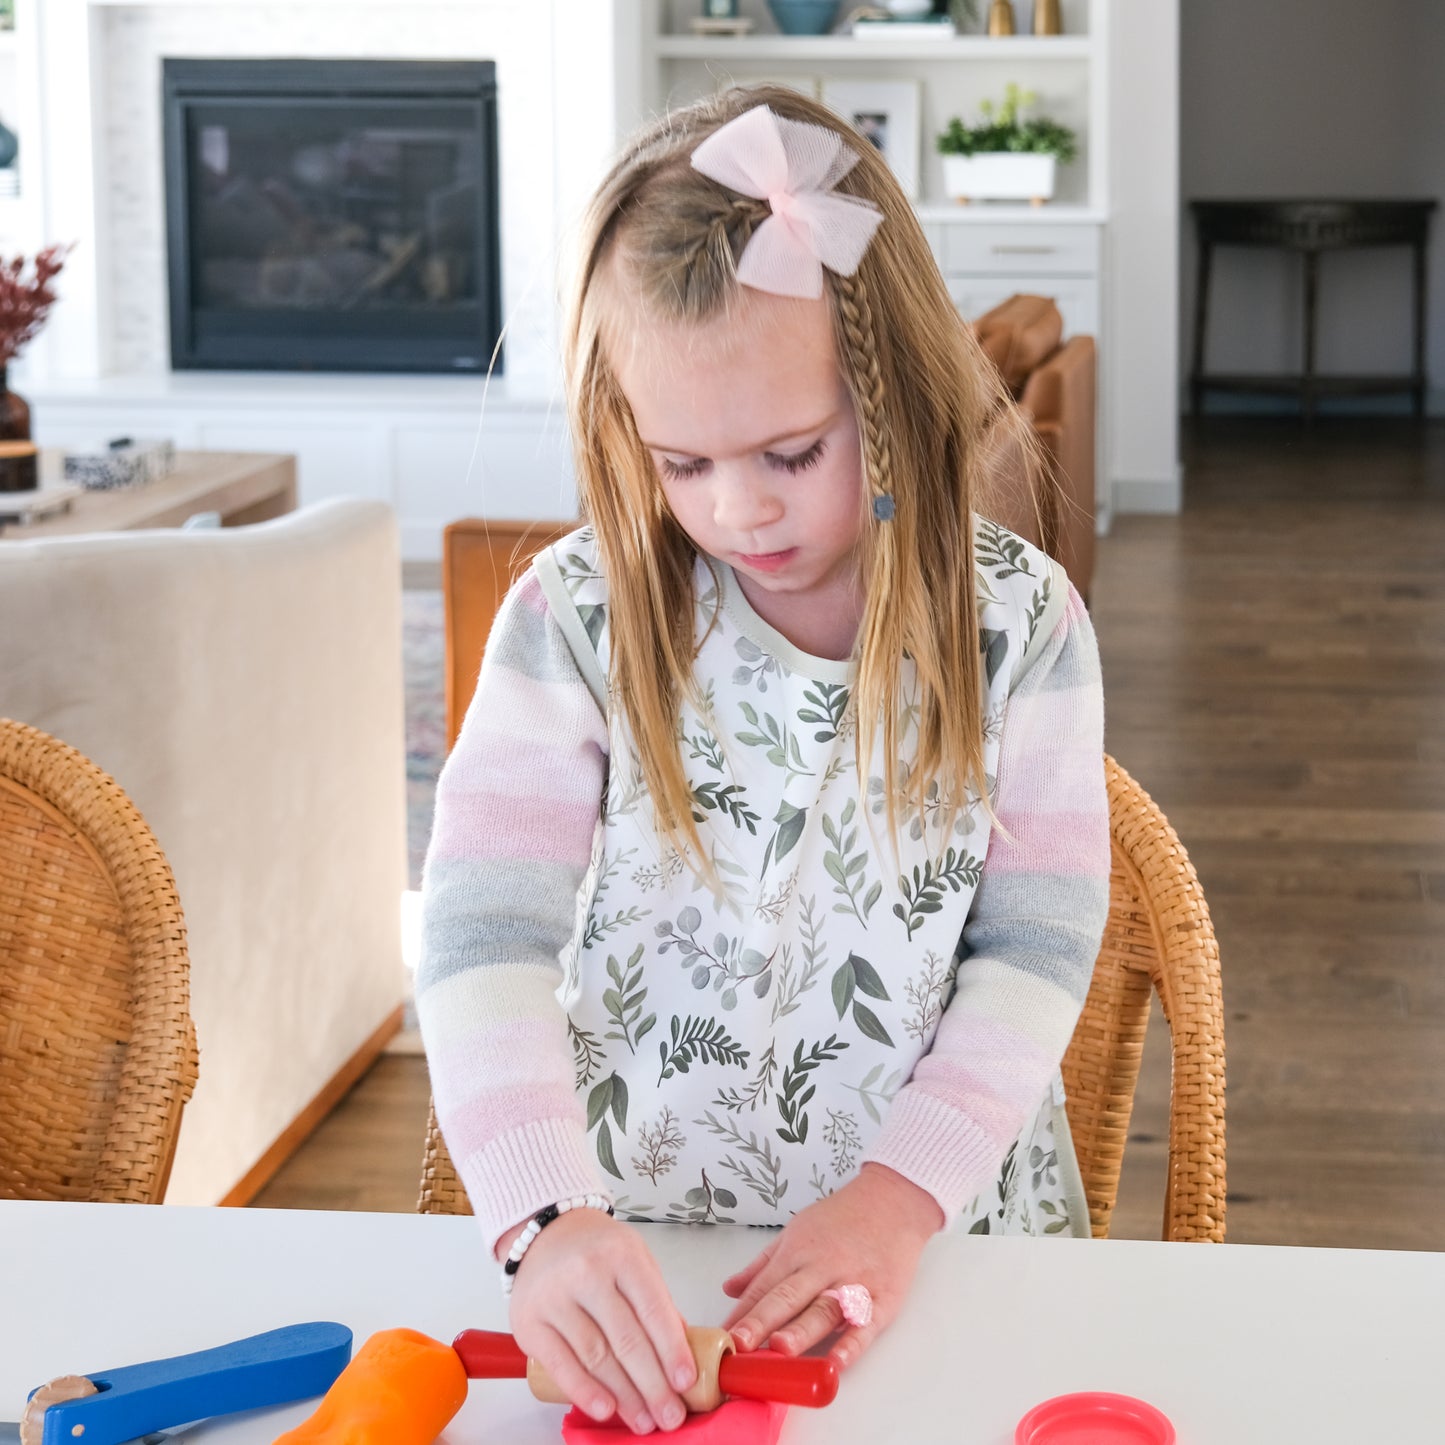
761 1375
787 1379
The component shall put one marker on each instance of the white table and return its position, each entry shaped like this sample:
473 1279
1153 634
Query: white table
1239 1345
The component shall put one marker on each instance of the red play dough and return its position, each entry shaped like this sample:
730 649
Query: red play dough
734 1422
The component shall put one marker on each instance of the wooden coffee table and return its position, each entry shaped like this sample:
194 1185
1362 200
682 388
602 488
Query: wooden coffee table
242 486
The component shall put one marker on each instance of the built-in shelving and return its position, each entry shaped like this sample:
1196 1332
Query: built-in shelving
846 47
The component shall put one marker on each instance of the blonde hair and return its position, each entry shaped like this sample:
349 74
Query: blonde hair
926 397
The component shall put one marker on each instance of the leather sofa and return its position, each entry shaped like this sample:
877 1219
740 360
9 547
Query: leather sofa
244 686
1055 383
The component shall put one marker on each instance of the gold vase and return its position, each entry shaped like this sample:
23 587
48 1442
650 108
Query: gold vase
1048 20
1001 18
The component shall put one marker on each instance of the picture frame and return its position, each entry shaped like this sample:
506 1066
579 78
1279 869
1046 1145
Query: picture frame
886 112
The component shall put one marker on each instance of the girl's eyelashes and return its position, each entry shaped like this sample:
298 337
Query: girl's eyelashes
798 462
801 461
677 471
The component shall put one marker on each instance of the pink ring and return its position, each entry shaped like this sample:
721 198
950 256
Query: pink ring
855 1302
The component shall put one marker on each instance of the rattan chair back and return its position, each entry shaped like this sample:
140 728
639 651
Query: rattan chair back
97 1049
1158 938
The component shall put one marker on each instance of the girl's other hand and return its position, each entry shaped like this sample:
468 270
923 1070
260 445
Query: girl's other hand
590 1305
870 1232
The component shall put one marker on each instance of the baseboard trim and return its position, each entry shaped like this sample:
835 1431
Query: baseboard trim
304 1124
1154 494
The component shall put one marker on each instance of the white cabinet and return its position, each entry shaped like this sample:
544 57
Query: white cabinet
985 262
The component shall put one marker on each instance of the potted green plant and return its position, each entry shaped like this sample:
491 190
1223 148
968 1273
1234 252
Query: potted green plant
1005 158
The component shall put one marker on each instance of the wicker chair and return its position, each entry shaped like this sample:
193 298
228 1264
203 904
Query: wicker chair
1158 937
97 1050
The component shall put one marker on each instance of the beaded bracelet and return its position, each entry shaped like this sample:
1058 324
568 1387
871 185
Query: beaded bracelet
539 1222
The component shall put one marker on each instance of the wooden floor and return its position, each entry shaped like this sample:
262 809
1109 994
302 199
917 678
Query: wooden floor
1274 664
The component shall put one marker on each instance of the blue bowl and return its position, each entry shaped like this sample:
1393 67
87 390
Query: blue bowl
804 17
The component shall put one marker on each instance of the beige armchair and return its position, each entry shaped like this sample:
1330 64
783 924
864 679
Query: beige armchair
244 687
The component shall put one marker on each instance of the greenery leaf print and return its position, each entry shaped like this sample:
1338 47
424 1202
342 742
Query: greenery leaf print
1041 601
790 821
659 1145
793 1096
872 1094
782 747
790 987
750 652
994 646
765 1180
870 1024
831 701
698 1204
756 1092
722 798
599 925
706 748
924 891
609 1094
587 1053
698 1039
726 968
846 868
605 1155
1001 551
594 618
857 975
624 1001
1060 1219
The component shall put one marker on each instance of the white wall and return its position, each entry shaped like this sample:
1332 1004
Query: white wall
1138 368
1311 98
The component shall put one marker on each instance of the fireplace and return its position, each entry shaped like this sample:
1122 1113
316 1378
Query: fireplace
332 215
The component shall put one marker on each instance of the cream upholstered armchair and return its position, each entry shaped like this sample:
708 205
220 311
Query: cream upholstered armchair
244 687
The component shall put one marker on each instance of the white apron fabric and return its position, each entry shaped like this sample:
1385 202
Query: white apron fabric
738 1042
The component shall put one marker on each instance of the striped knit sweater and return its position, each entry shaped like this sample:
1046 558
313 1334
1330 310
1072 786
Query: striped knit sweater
518 805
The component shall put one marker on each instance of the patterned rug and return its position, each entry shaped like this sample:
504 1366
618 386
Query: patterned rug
425 718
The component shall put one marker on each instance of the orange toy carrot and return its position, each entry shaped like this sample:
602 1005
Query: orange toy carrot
401 1388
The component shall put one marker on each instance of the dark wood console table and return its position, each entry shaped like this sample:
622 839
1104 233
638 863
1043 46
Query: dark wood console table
1310 227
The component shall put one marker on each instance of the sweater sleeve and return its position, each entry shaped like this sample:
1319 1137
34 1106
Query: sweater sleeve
1031 937
517 805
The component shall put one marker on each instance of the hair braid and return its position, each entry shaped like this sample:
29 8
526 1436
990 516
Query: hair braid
856 313
882 640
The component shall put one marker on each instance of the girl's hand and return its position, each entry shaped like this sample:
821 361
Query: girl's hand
870 1232
589 1303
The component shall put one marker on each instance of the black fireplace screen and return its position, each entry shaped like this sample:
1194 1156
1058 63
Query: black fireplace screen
332 215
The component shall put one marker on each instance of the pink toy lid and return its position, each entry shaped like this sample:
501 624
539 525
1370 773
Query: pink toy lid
1094 1418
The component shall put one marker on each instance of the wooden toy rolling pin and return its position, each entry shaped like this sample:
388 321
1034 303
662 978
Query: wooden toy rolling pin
403 1388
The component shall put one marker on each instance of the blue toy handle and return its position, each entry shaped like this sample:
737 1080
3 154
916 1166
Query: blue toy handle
274 1368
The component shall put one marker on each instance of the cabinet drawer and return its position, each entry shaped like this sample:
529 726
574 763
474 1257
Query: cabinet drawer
1077 298
1027 250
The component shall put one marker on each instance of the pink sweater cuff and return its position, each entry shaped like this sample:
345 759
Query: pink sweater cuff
932 1146
525 1170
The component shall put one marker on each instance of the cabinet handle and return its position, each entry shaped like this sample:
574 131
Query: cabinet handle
1024 250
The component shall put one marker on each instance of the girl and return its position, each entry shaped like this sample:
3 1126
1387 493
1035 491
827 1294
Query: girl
771 863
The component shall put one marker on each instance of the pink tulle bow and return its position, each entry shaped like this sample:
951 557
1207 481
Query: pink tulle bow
794 166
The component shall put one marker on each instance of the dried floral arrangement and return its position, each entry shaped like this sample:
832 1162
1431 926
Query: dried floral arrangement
25 301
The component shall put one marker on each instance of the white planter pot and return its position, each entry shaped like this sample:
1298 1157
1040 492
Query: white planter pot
999 176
